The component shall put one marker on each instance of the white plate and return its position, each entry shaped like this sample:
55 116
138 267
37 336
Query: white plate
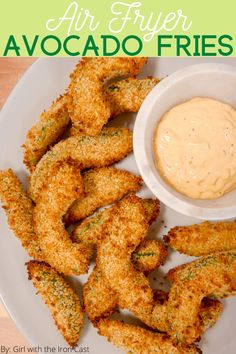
40 85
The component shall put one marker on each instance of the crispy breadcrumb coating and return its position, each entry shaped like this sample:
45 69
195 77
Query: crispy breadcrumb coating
124 96
203 239
150 255
88 106
110 146
19 211
99 298
126 229
158 318
128 95
59 251
137 340
213 275
49 128
91 230
61 299
209 312
151 208
102 186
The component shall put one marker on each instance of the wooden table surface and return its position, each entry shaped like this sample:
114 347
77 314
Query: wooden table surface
11 69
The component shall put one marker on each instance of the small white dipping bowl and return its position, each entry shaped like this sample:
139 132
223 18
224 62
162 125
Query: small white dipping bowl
216 81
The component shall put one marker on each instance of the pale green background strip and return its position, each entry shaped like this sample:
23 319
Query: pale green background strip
29 17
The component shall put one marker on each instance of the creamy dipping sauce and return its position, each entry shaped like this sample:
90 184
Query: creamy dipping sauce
195 148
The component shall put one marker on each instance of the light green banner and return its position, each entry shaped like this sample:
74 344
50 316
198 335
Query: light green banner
108 27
